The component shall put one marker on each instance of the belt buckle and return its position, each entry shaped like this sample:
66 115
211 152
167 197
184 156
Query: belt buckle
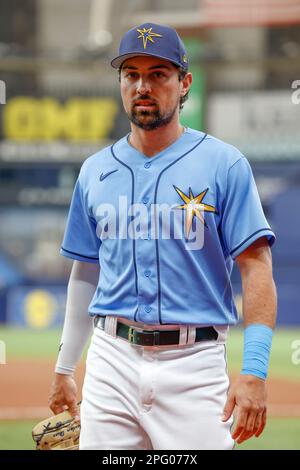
153 334
131 332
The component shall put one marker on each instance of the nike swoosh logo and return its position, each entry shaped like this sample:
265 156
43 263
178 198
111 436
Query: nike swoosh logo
103 176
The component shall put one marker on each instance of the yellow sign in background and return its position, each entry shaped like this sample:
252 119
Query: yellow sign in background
46 119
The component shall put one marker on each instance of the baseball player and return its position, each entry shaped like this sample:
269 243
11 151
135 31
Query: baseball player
155 225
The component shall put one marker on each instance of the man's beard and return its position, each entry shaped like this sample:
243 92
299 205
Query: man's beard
157 119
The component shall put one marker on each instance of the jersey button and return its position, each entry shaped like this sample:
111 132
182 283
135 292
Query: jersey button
147 308
147 165
145 200
147 273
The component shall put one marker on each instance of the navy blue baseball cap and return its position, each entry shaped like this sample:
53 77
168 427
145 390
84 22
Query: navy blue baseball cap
154 40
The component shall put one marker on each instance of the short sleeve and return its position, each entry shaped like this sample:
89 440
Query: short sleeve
243 219
80 239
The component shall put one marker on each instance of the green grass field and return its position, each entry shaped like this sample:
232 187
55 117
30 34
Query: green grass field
279 434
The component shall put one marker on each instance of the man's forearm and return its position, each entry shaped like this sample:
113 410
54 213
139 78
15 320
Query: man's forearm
259 307
259 296
78 324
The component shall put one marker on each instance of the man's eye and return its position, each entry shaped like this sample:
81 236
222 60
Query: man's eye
158 74
130 75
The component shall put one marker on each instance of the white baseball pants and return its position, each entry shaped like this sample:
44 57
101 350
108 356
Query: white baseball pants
154 397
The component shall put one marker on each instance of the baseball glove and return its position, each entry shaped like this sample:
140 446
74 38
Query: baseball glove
59 432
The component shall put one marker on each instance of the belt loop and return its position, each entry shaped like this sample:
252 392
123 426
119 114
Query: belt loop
183 335
110 326
192 334
222 333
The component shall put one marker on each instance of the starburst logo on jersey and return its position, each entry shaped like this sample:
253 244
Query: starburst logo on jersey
194 208
147 35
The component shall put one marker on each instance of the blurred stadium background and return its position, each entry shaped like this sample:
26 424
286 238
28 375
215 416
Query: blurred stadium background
59 103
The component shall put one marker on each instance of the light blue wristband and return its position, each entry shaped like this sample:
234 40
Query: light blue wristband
257 347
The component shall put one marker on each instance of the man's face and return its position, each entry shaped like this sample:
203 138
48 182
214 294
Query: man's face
151 91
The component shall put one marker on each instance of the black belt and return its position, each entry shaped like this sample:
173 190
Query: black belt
156 337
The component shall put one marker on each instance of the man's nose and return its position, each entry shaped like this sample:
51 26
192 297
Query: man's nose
143 86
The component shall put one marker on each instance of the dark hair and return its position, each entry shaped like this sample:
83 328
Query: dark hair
181 74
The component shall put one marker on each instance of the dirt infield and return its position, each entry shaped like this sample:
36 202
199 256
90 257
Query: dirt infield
25 387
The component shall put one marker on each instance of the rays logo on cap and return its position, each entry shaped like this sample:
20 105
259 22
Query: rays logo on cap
147 35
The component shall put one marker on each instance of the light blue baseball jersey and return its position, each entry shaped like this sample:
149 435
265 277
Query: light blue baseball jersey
165 229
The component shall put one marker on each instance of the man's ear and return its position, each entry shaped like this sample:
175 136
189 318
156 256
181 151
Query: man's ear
186 83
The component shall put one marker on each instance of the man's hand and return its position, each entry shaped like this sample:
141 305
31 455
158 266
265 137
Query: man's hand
248 394
63 395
